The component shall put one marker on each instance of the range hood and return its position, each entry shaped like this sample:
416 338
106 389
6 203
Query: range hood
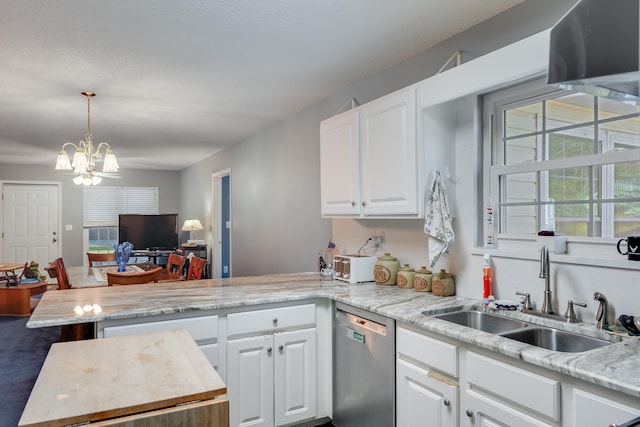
594 49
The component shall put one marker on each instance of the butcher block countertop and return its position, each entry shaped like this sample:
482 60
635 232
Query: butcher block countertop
616 366
94 380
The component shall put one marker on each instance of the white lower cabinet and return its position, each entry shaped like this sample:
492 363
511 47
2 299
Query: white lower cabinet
483 411
426 388
272 377
500 394
591 409
424 399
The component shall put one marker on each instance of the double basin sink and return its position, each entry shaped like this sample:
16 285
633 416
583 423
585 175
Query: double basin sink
519 330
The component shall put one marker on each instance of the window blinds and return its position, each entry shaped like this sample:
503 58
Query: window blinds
102 205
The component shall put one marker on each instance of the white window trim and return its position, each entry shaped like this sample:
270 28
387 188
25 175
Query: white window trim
592 251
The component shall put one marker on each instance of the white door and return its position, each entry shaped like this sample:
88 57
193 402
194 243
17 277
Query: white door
295 376
31 217
250 381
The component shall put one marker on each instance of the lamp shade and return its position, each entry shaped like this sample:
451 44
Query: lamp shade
192 225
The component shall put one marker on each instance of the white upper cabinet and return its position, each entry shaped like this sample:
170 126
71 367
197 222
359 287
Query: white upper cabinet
340 165
389 156
370 160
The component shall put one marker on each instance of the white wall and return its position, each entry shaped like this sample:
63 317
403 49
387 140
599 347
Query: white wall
275 182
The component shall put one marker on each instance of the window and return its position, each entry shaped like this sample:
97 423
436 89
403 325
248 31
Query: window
102 205
566 156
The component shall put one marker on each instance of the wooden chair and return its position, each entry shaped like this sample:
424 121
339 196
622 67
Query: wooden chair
135 278
196 268
175 263
78 331
57 271
93 257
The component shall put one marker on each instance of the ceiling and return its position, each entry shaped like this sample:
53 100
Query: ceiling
177 81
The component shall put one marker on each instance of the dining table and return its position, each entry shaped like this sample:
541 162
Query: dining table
88 277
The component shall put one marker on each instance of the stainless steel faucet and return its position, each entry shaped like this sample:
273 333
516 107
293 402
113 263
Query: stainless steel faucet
601 315
547 308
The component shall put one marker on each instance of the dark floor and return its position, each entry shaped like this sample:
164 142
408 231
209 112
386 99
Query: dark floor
22 353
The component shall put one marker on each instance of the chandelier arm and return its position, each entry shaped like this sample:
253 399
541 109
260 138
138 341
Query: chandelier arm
69 143
104 145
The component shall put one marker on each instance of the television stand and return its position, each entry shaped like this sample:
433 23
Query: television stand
153 255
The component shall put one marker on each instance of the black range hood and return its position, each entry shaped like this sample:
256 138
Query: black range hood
594 49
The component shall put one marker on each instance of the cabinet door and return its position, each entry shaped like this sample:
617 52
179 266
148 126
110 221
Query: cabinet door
250 381
295 376
482 411
389 155
591 409
424 399
340 165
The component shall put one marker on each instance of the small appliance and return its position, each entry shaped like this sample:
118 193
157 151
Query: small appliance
354 268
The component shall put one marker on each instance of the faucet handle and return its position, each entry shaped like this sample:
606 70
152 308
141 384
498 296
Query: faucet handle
525 300
569 314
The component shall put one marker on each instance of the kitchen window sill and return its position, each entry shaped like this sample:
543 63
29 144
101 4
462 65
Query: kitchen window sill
580 251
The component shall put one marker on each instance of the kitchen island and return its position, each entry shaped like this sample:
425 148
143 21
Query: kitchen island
615 367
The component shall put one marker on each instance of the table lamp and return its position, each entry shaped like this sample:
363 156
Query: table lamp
192 225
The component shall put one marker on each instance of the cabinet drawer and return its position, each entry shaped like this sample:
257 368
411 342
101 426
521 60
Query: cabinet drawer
203 328
261 321
532 391
428 351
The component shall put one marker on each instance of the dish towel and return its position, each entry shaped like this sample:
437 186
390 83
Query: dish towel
437 221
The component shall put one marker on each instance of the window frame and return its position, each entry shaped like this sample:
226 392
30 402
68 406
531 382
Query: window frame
494 169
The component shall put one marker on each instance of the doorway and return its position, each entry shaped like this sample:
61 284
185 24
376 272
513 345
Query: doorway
30 222
221 257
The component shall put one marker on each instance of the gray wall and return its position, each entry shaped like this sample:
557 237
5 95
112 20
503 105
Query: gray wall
71 241
275 178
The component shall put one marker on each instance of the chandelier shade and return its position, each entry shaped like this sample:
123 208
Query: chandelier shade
86 155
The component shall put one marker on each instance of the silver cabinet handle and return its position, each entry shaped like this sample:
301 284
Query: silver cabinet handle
275 320
269 349
364 203
447 402
281 347
353 204
469 413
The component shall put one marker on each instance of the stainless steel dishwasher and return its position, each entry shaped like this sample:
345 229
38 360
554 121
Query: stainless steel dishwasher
363 368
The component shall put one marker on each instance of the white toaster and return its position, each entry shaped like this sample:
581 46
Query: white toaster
354 268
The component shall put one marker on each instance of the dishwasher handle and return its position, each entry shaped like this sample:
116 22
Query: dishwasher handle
361 322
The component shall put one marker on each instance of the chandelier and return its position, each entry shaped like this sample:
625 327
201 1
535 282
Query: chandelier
86 155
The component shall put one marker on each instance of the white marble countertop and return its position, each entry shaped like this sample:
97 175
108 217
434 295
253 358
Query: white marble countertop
616 366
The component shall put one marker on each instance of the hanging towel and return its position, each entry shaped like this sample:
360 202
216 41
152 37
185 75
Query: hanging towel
437 221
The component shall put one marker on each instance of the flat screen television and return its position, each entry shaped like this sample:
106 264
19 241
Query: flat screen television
152 232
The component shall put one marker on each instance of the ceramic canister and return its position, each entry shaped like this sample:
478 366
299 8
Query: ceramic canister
422 280
405 277
386 269
443 284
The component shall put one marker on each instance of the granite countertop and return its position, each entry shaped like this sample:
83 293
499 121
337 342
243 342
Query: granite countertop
616 367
